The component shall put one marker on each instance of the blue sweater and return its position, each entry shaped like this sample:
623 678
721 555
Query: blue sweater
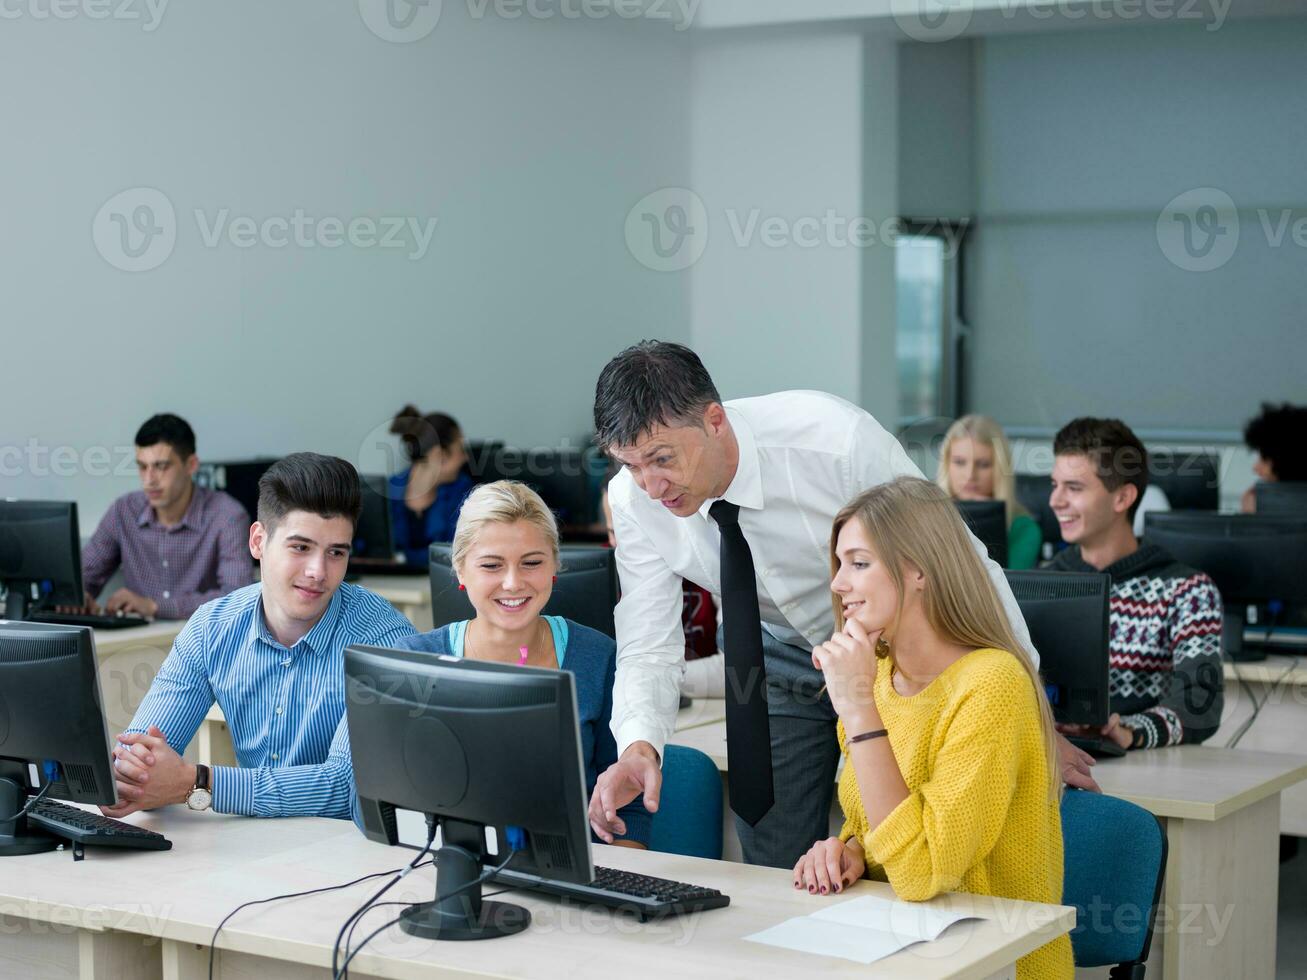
413 534
592 659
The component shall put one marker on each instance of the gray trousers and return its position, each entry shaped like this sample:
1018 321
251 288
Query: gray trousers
804 757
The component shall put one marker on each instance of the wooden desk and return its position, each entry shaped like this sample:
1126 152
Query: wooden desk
1279 683
151 915
1221 809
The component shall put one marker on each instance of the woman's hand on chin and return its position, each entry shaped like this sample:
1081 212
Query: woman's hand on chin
848 661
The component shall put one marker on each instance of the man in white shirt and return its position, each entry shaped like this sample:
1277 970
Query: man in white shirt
787 462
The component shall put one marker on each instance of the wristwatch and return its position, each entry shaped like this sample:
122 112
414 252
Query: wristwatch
200 797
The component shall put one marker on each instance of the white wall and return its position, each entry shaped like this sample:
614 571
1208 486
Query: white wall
528 140
1082 140
778 136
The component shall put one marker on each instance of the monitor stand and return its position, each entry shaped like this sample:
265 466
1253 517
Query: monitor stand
462 916
19 836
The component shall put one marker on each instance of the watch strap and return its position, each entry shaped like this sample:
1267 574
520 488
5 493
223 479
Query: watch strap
202 777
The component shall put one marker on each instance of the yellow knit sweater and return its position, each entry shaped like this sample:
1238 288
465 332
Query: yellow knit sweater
978 817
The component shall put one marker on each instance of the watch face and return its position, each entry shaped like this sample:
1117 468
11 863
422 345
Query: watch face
199 799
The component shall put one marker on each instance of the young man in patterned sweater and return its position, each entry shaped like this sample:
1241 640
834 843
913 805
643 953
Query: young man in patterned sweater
1165 644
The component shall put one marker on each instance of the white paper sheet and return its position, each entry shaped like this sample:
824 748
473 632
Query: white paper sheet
863 929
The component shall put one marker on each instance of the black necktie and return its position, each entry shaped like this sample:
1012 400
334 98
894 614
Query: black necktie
748 734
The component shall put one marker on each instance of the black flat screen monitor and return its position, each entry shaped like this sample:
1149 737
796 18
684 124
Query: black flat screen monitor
474 746
40 556
586 591
987 520
1033 492
1255 560
239 478
566 479
1281 498
1067 615
1190 480
52 727
372 534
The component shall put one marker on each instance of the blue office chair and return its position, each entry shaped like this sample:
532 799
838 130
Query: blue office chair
1114 857
689 817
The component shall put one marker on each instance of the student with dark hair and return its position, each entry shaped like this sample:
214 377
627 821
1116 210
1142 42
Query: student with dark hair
738 497
1165 632
272 656
1277 436
425 498
179 545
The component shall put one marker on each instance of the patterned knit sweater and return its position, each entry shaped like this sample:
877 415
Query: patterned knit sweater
1165 645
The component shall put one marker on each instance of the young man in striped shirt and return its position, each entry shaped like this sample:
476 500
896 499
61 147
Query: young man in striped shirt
272 656
1165 618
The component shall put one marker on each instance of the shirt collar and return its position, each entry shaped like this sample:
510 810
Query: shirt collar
190 519
745 489
318 639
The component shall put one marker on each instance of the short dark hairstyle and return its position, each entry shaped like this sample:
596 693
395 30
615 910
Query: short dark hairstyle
420 433
322 485
1116 452
1277 435
171 429
652 383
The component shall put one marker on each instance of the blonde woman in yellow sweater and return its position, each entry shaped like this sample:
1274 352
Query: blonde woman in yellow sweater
948 782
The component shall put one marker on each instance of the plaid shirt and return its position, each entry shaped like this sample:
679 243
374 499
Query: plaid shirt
181 567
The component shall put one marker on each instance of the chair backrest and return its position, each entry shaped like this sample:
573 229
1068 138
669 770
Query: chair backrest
1114 863
586 590
689 817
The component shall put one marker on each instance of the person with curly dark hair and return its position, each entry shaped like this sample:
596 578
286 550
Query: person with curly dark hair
1276 435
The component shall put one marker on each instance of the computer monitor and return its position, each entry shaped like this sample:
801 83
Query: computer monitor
1067 615
566 479
988 521
1281 498
1255 560
1190 480
40 556
52 727
475 746
239 478
1033 491
372 534
586 591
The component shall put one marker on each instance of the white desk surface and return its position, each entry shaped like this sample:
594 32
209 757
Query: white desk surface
158 634
218 862
400 590
1275 669
1193 782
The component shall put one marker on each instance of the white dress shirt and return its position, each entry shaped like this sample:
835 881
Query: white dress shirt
803 456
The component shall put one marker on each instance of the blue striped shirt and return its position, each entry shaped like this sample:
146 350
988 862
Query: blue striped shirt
285 707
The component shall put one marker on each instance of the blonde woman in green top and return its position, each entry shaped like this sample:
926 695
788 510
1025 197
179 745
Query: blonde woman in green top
976 464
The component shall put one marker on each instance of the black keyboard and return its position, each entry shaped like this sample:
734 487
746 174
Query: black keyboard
1100 747
84 827
102 621
647 897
